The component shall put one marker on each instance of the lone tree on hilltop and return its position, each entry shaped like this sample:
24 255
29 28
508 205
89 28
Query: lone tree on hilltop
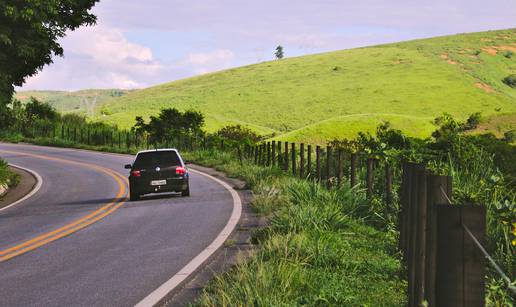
279 52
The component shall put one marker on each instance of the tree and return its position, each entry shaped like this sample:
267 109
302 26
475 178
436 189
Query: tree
279 52
40 110
29 33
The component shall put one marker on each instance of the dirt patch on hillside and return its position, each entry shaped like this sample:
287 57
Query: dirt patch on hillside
490 50
485 87
493 50
451 62
486 39
507 48
444 56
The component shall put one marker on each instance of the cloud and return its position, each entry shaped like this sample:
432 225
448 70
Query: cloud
138 44
99 57
206 62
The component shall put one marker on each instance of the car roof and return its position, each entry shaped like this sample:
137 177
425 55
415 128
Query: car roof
159 149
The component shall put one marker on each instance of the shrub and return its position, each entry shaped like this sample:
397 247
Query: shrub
508 54
510 81
239 134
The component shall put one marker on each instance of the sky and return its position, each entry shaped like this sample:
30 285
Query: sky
137 44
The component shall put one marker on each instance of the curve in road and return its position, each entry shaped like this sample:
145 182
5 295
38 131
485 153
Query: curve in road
120 258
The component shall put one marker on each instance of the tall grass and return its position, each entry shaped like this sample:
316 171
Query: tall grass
317 249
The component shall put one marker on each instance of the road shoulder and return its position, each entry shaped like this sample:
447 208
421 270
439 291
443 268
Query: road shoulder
238 245
27 183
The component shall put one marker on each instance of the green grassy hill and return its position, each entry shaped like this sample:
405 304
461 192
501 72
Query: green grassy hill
337 94
66 102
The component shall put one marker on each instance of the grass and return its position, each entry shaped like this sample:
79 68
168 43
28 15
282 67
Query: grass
335 94
315 251
7 177
67 102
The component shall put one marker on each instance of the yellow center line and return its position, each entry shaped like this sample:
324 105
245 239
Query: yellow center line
76 225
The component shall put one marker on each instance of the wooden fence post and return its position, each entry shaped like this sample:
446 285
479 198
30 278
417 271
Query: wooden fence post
388 184
339 168
318 163
280 156
273 153
256 154
268 153
309 160
420 249
301 160
293 158
460 264
436 185
285 159
353 170
328 167
119 140
369 177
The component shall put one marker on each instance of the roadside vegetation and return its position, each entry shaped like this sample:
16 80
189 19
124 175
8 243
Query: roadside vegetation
7 177
318 250
322 247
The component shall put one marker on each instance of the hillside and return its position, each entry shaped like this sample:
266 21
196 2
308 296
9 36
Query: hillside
78 101
336 94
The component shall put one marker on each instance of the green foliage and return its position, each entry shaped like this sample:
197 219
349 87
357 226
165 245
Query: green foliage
29 34
279 52
35 110
510 81
508 54
6 176
316 251
170 124
239 134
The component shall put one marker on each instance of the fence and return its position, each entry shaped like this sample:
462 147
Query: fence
441 243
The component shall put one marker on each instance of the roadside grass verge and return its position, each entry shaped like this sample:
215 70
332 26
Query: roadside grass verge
7 177
316 250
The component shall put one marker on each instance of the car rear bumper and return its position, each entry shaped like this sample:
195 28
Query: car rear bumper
173 185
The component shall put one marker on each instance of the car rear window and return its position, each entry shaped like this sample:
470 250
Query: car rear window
157 158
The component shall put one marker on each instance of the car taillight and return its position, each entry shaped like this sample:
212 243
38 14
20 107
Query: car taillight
180 170
136 173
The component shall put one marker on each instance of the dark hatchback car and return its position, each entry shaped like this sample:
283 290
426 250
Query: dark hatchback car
158 171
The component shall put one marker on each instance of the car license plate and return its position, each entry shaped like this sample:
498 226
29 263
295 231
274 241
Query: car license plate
158 182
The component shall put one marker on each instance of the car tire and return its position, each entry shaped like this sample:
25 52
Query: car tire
133 196
186 192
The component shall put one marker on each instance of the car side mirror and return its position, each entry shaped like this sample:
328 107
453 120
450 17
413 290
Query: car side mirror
128 166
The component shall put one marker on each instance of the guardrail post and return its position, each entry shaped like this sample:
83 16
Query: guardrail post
460 263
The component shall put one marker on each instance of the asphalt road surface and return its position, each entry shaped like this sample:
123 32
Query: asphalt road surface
78 242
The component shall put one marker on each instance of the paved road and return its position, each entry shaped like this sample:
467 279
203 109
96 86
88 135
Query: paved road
86 246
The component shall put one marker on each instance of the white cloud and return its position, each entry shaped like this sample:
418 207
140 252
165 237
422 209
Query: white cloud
99 57
205 62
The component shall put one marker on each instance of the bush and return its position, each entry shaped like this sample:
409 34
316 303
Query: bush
508 54
510 81
239 134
